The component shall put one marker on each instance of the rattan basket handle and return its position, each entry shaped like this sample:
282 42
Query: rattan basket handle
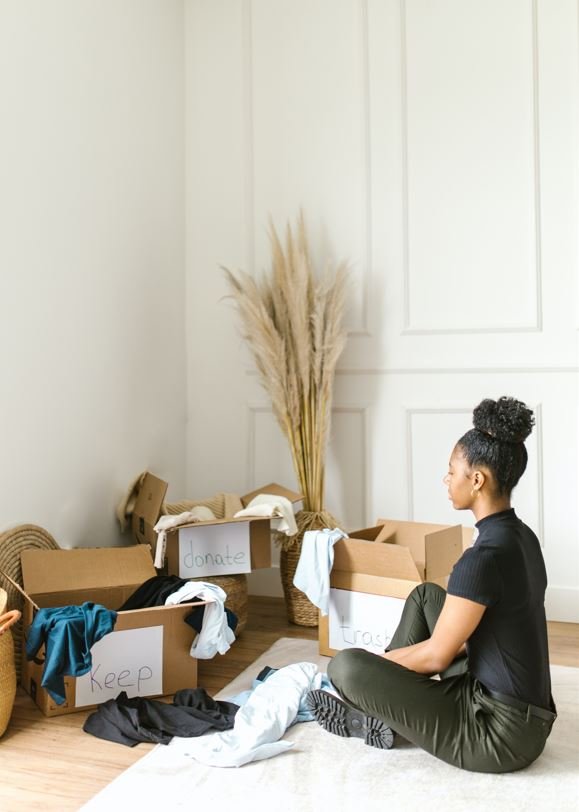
9 619
19 588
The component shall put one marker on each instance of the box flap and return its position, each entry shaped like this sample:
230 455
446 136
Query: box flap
373 584
406 529
412 535
367 533
443 549
276 490
149 501
50 571
382 560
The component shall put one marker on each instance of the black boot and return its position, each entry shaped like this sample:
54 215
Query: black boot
336 716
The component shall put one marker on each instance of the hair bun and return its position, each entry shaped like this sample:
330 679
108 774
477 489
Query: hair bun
505 419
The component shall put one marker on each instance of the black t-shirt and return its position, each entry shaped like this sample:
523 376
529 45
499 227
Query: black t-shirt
504 570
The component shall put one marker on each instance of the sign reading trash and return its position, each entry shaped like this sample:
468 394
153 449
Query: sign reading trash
361 620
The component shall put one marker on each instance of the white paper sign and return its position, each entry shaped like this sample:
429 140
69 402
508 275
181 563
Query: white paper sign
358 620
214 549
130 661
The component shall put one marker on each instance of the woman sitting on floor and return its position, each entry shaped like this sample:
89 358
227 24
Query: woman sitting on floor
492 710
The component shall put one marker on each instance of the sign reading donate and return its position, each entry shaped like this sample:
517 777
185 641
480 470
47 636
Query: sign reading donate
214 549
358 620
130 661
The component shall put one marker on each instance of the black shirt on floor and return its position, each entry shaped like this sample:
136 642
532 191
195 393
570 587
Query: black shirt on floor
504 570
132 720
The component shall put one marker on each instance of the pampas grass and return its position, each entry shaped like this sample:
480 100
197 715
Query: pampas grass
292 322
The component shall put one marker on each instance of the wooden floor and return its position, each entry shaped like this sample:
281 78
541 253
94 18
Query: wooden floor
51 764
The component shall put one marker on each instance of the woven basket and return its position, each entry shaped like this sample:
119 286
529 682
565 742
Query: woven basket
12 543
300 610
7 667
222 505
235 587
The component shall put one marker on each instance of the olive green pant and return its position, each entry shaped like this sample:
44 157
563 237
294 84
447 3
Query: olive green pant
452 718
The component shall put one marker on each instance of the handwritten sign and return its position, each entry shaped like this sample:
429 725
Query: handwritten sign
358 620
130 661
214 549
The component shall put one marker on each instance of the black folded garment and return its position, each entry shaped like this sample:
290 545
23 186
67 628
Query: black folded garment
153 592
130 721
156 590
195 619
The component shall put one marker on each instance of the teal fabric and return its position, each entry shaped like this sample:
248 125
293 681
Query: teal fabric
68 633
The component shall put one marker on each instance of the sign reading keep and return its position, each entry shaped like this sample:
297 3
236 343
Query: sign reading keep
130 661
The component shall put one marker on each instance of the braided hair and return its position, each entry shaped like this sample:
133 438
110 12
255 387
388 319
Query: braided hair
497 440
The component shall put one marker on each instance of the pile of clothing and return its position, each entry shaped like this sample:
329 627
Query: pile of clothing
69 632
249 725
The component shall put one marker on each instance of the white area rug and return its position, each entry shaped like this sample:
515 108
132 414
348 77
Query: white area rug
325 772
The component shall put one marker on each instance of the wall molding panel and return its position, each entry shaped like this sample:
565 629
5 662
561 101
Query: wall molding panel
335 488
411 325
253 410
364 470
562 603
536 438
458 371
410 414
249 179
364 330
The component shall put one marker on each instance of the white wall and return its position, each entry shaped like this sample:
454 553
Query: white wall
92 342
435 146
432 144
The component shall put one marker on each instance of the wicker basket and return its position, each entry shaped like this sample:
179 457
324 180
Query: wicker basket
300 610
235 587
12 543
7 667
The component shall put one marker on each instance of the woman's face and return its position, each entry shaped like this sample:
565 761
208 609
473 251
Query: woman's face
459 481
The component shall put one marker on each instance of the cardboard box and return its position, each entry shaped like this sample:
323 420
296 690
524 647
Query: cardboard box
223 546
374 571
148 509
148 652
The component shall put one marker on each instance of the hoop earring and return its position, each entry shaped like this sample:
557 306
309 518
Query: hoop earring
474 493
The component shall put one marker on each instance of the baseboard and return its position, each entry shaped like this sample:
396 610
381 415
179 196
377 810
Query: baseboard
562 604
266 582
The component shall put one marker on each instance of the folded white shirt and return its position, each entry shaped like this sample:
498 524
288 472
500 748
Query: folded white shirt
169 522
272 505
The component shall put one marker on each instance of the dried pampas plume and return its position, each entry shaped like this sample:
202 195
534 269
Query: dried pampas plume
292 322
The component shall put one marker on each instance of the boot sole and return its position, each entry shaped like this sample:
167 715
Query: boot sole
339 718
